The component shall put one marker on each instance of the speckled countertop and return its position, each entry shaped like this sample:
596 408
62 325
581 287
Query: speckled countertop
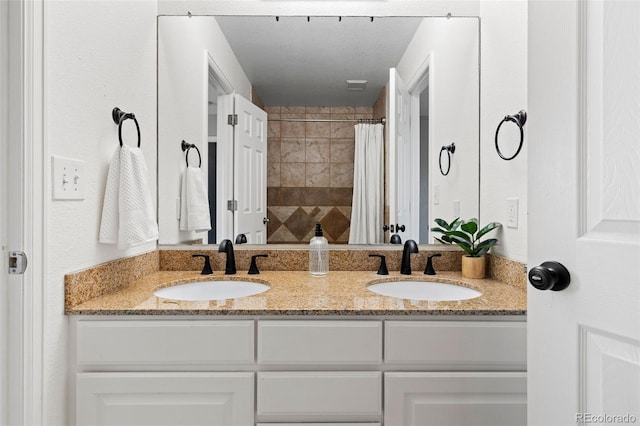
297 293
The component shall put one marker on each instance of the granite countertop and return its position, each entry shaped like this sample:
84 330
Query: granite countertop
297 293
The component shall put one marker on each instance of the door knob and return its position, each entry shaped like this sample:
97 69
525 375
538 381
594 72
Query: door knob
550 276
400 228
265 220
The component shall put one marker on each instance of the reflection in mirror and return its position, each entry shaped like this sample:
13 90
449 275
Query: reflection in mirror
314 80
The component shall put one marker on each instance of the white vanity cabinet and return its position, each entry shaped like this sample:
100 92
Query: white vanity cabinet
163 372
316 378
287 372
453 373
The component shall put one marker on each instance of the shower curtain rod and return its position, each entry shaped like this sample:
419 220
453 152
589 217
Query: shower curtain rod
349 120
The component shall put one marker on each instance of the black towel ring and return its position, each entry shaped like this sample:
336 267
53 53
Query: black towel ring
186 147
119 117
520 118
450 149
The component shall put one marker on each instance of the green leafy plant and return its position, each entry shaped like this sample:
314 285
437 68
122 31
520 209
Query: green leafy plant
467 237
445 227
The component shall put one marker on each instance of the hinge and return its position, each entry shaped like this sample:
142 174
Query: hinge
17 262
232 119
232 205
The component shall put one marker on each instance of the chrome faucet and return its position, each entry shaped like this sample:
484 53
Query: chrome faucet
410 246
227 247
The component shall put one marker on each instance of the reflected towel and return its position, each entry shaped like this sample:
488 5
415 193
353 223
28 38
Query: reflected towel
128 216
194 201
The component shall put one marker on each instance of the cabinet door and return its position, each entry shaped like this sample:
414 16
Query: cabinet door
157 399
455 399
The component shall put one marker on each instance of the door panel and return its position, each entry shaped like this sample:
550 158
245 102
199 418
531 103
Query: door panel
164 399
584 190
400 155
454 399
250 171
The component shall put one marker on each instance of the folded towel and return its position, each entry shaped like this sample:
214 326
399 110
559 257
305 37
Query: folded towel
128 216
194 201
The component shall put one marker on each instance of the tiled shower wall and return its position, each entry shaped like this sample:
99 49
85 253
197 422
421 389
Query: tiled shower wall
310 172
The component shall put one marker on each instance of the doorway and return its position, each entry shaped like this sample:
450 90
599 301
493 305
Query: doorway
421 176
212 157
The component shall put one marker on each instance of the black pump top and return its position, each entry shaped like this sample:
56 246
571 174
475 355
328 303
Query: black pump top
318 230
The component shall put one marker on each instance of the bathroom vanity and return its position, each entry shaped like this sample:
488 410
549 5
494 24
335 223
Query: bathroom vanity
339 355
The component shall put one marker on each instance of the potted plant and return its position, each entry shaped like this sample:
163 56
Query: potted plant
467 237
446 227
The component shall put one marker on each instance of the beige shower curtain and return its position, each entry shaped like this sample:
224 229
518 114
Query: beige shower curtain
368 173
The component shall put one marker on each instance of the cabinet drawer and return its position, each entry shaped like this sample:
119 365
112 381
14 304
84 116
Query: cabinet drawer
331 396
458 345
318 424
319 342
157 342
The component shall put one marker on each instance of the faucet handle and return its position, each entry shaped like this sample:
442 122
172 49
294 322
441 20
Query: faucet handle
253 269
206 270
382 270
429 269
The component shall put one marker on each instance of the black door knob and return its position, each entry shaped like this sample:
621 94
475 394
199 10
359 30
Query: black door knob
550 276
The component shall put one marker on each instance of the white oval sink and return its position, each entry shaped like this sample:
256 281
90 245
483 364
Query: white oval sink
211 290
424 290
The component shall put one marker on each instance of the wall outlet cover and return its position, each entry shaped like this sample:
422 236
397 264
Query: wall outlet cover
512 213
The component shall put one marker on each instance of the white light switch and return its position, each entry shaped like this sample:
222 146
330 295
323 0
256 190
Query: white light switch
68 178
512 212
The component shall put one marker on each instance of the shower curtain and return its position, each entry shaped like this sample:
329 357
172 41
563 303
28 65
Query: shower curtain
368 174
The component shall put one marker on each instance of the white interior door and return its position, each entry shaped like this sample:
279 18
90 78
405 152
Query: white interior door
250 171
584 197
399 122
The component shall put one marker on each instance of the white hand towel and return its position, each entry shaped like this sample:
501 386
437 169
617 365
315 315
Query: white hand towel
128 217
194 201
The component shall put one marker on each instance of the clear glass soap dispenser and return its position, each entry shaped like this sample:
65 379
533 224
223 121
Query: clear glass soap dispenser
318 254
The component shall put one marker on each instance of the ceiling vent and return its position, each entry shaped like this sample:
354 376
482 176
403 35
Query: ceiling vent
356 85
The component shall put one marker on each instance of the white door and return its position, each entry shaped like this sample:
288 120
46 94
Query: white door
583 138
158 399
399 122
250 171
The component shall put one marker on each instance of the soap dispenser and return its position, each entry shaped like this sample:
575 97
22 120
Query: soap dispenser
318 254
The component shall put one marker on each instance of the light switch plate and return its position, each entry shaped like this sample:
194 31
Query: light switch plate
68 178
512 213
456 208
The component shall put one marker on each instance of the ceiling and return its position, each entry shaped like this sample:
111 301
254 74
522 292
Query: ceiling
293 61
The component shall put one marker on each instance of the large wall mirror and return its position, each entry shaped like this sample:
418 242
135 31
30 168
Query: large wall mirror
286 114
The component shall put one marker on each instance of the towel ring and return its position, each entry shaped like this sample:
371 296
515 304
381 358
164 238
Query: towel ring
186 147
120 117
450 149
520 118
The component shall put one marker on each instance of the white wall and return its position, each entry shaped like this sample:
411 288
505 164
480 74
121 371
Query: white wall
98 55
452 45
182 103
102 54
504 92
